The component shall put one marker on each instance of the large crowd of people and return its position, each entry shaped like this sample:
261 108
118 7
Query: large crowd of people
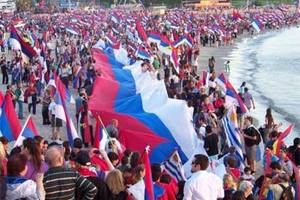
45 167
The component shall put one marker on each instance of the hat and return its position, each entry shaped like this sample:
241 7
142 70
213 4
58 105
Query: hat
83 158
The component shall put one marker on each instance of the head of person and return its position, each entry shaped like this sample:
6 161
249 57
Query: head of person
115 181
5 142
246 187
39 141
139 172
283 152
114 123
33 152
283 178
54 156
276 167
2 151
296 142
199 163
231 162
83 159
228 182
248 120
155 171
113 157
77 145
269 112
16 165
134 159
208 129
238 195
247 170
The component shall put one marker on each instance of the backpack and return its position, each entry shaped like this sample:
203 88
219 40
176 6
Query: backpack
258 136
287 193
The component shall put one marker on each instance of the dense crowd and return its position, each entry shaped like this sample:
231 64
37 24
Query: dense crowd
47 168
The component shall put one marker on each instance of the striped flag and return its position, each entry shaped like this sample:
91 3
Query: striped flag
101 137
174 167
61 96
230 126
28 130
279 142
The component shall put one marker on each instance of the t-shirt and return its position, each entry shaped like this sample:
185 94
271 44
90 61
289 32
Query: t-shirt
211 144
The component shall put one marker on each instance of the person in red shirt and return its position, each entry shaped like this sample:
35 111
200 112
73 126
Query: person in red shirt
31 91
168 193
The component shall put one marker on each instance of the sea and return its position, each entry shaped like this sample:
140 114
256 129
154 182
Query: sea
270 64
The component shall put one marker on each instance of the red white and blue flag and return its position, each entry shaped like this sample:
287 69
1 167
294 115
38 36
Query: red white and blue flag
19 44
9 124
28 131
61 96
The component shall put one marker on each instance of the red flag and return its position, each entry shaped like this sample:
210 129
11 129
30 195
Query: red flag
267 170
141 32
149 192
135 140
279 142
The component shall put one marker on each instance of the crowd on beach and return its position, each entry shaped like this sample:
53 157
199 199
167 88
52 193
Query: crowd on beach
45 167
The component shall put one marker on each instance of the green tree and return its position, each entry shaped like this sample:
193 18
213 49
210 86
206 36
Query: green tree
23 5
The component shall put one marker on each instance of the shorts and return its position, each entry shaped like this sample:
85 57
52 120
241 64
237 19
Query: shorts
251 152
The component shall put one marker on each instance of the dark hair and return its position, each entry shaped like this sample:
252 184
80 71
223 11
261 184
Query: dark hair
275 165
4 140
135 159
125 160
34 152
231 161
77 143
38 139
239 195
165 178
247 169
16 164
15 150
127 152
67 155
156 171
112 156
201 160
250 119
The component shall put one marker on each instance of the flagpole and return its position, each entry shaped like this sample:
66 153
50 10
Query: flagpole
23 128
99 118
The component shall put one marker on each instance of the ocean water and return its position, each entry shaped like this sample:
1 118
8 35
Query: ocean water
270 64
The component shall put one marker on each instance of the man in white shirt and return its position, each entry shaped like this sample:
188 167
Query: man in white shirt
202 185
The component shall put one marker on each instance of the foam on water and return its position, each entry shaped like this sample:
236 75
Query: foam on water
270 64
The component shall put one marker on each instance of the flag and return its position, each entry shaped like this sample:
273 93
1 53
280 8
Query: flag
231 94
141 32
101 136
115 18
175 59
165 47
126 93
78 70
174 168
183 40
19 44
9 124
61 96
139 142
28 131
204 78
264 191
154 37
279 141
142 53
257 25
149 191
233 135
71 30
